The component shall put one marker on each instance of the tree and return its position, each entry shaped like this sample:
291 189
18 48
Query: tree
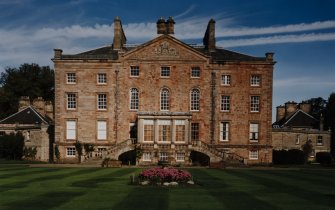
318 106
307 148
27 80
330 121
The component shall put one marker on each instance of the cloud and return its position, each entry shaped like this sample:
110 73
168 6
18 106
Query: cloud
319 82
278 39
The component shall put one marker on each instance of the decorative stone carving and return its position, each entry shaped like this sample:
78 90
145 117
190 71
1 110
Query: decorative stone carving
164 49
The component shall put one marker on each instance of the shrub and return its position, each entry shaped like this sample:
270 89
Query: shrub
293 156
324 158
11 146
155 175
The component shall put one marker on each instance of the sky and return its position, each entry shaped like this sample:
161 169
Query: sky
301 33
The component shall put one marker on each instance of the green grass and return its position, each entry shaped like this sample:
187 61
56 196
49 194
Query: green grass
22 187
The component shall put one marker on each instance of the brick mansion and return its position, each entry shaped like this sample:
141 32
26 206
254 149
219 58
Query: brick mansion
177 102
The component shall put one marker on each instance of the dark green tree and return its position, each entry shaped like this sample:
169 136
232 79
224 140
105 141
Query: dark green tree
28 80
318 106
330 121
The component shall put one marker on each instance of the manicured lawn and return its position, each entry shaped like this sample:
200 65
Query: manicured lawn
22 187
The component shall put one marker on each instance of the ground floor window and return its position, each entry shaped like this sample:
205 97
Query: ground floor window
253 155
71 152
180 156
319 141
195 131
163 156
146 156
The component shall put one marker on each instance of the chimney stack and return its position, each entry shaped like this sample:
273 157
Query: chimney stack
209 38
290 108
24 102
58 53
280 113
165 27
119 36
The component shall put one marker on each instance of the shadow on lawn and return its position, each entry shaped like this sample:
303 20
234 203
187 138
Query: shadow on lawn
230 198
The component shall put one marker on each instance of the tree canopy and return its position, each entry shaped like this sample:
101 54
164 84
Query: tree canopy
28 80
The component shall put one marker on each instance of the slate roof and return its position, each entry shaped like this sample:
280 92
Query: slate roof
28 116
218 56
299 119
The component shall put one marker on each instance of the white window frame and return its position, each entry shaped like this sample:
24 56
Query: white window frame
164 99
102 78
224 131
71 78
255 80
225 103
254 103
195 100
254 132
165 71
319 141
71 152
253 154
71 101
102 130
146 156
195 72
102 101
225 79
134 71
134 99
164 156
71 129
180 156
152 126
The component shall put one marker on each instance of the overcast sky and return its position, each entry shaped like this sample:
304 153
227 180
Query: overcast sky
301 33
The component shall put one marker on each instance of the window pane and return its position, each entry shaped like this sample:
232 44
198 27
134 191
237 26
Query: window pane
195 100
165 98
165 71
102 130
102 101
71 129
254 103
195 72
102 78
225 80
255 80
134 99
71 101
71 78
134 71
224 131
194 131
225 103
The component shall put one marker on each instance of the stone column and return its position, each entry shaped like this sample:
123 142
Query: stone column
187 132
156 131
173 131
140 131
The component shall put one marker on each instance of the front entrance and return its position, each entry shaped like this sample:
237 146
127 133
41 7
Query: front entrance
199 159
128 158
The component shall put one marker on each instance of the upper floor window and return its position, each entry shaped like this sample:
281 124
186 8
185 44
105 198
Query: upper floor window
134 71
255 80
71 101
102 78
165 99
224 131
134 99
225 103
165 71
195 100
225 79
254 132
102 101
71 78
195 72
254 103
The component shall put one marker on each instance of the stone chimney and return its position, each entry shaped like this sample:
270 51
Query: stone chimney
306 107
24 102
170 26
269 56
290 108
280 113
39 105
165 27
209 38
119 36
58 53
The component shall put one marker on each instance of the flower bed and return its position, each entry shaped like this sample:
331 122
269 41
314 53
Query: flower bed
165 176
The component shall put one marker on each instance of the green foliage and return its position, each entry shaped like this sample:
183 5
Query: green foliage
30 153
330 121
27 80
11 146
138 152
79 148
307 148
88 148
324 158
286 157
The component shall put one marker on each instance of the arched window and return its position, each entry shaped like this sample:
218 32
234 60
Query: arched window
195 100
165 99
134 99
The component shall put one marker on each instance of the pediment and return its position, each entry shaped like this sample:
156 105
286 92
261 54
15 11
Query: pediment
164 48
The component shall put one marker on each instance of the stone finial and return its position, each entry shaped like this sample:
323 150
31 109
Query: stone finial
58 53
269 56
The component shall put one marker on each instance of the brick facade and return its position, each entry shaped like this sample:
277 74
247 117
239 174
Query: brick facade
165 51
